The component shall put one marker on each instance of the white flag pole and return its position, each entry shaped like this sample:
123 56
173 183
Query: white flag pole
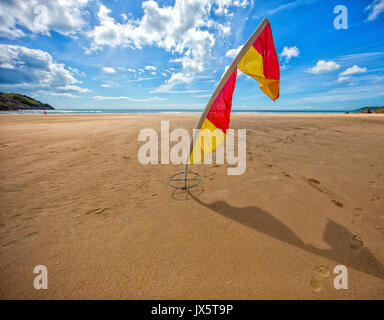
220 86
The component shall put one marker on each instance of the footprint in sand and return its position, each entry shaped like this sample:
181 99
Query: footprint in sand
375 198
321 271
331 196
96 211
313 182
315 285
357 214
357 243
286 174
337 202
372 183
31 236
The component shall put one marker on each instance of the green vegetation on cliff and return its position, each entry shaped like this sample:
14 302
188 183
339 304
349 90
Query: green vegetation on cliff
15 101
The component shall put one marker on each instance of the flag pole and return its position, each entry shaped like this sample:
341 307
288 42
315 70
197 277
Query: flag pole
220 86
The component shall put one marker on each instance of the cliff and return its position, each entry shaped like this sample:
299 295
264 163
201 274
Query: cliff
14 101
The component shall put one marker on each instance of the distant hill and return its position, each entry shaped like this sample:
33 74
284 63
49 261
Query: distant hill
14 101
371 109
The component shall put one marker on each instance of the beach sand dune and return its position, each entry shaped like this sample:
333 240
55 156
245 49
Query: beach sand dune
74 197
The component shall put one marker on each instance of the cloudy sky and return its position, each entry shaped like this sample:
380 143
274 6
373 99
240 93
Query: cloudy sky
172 53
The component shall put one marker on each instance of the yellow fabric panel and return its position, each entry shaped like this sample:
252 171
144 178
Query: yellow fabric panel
252 63
208 144
270 87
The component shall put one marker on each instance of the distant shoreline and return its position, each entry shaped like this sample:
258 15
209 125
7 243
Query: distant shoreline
174 111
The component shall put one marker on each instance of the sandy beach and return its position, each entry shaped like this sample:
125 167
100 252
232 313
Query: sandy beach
75 198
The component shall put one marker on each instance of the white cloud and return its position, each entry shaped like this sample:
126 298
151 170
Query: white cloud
323 67
66 95
353 70
101 98
185 29
342 79
238 3
126 69
176 78
375 9
109 70
141 79
232 53
106 85
222 5
41 16
290 52
77 72
346 75
179 78
74 88
7 65
32 69
153 68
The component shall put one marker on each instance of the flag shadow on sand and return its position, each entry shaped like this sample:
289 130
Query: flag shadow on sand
339 238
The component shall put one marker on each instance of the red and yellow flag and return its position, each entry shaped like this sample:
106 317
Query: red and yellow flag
216 123
261 63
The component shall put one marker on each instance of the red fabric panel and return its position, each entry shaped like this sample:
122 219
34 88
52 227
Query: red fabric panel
265 46
219 114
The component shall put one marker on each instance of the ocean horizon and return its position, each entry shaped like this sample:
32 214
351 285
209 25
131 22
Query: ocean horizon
158 111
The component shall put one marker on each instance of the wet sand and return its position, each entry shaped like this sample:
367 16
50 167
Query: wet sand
74 197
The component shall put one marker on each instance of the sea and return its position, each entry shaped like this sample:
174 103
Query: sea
160 110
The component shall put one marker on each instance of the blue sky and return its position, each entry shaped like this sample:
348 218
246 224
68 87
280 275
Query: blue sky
171 54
